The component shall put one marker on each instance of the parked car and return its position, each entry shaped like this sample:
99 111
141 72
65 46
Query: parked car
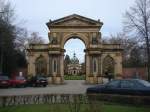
18 81
122 87
38 81
4 81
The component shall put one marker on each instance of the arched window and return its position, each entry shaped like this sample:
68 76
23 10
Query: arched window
94 65
108 65
40 66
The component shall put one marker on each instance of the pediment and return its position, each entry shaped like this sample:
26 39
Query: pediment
74 20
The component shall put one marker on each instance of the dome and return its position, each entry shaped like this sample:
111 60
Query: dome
74 60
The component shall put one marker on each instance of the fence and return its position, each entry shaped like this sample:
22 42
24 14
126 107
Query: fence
42 99
71 99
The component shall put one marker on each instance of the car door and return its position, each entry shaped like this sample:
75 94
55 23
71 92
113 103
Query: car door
112 87
128 87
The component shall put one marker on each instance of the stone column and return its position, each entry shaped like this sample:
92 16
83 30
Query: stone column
87 65
62 68
29 72
50 66
50 70
99 66
32 66
89 70
118 67
99 77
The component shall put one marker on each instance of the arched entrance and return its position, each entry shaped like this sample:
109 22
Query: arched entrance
92 56
87 30
74 60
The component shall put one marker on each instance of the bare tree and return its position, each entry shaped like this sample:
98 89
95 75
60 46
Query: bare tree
35 38
24 39
137 21
131 48
7 13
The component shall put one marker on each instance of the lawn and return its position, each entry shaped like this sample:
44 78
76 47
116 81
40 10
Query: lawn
66 108
74 77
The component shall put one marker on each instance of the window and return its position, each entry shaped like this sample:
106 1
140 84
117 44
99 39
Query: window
4 78
127 84
143 82
55 66
94 66
113 84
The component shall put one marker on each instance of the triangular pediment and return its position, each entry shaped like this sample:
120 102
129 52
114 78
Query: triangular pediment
74 20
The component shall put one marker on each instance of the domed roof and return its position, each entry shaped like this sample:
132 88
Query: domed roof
74 60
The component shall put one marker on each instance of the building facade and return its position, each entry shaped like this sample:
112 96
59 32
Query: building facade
74 67
48 59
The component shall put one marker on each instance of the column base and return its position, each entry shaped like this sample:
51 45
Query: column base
49 80
118 77
94 80
58 79
100 80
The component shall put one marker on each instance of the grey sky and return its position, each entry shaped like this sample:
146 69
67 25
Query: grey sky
75 46
37 12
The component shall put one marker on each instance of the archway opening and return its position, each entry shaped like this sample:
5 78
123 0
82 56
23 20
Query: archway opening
40 66
108 66
74 59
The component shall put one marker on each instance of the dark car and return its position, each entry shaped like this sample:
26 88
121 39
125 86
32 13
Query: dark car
4 81
122 87
18 81
38 81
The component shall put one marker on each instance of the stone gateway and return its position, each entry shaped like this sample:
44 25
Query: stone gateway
100 58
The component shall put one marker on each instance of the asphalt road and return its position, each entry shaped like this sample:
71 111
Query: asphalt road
70 87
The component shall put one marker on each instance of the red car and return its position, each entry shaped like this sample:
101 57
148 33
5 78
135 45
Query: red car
4 81
18 81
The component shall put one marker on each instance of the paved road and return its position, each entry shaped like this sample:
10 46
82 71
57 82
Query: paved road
70 87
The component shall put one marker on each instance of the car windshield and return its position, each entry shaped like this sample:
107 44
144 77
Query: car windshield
20 78
4 78
145 83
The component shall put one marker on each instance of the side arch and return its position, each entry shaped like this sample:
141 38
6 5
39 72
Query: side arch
40 65
108 65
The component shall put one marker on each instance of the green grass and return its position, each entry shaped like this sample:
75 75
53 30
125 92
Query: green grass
65 108
74 77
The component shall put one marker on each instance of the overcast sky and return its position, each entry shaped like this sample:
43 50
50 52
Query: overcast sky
35 13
